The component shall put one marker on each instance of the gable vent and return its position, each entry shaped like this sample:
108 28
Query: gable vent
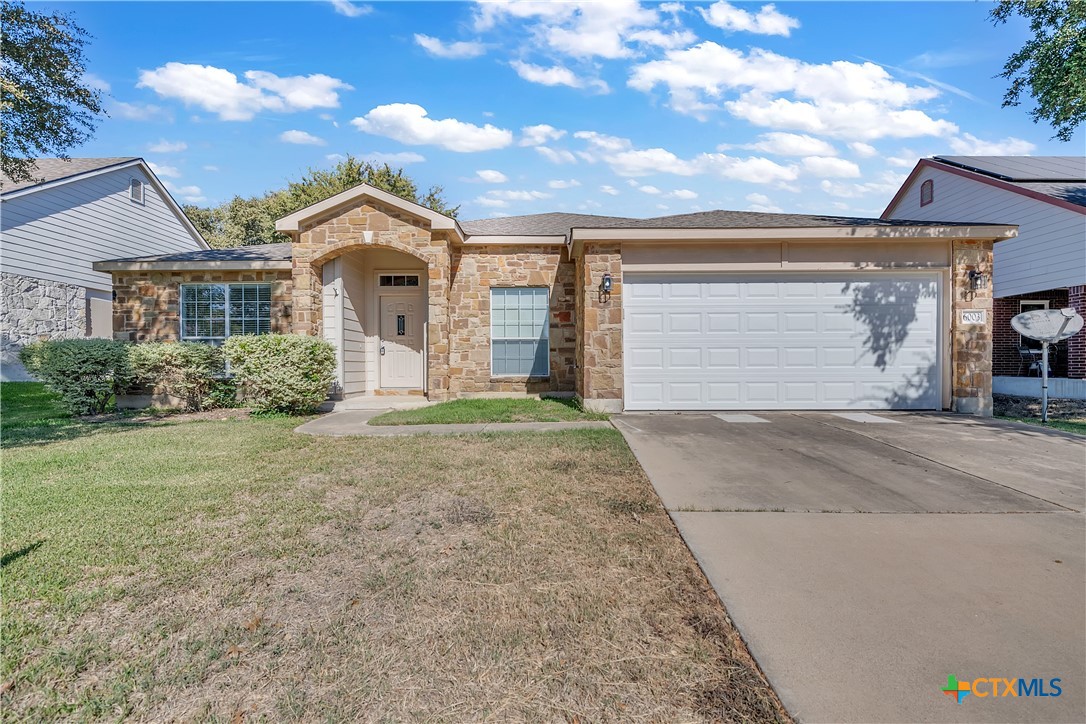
135 191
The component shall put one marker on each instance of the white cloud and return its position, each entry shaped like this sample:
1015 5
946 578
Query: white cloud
301 138
969 145
346 7
190 194
211 169
830 167
625 160
842 99
885 186
609 190
518 195
767 21
556 75
563 184
164 146
457 50
96 82
494 203
647 189
556 155
164 171
491 176
219 91
792 144
138 111
762 203
396 159
685 194
408 123
660 39
863 150
335 157
538 135
908 160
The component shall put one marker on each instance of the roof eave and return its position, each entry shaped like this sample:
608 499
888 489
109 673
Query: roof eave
994 232
205 265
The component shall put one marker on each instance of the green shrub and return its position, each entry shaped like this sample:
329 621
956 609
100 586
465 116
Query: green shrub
186 370
281 372
223 393
86 373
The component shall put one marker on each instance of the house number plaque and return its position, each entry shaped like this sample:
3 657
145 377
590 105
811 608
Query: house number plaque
974 316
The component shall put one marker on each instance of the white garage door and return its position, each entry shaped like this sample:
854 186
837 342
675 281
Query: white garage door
787 342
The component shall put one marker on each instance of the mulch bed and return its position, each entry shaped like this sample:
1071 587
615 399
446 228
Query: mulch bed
1010 406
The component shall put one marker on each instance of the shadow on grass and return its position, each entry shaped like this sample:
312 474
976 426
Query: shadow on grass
10 558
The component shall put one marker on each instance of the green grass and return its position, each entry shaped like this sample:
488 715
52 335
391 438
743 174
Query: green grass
1076 426
232 569
491 410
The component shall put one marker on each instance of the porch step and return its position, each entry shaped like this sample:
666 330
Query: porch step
381 402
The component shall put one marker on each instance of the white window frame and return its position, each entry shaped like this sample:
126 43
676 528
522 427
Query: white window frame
545 339
1026 341
405 286
226 288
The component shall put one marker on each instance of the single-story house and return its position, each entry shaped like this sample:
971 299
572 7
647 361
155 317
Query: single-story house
1043 268
72 213
718 310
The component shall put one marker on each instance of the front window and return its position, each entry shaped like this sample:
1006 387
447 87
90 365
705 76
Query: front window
213 312
519 336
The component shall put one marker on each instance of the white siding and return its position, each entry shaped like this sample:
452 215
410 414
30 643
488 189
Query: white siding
354 337
1050 250
56 233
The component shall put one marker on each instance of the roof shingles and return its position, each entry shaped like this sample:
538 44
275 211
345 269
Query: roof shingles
47 170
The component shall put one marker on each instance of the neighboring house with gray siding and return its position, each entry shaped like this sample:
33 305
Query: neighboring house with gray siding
1044 267
73 213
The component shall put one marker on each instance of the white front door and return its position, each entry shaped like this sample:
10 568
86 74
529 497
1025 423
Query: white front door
851 341
401 341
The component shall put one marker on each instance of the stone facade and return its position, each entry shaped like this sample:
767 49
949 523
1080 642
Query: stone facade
146 304
369 224
36 309
599 327
971 344
477 269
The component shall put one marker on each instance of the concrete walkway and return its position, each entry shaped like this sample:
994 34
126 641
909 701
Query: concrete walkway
356 423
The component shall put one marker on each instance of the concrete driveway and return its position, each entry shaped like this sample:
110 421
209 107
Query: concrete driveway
865 558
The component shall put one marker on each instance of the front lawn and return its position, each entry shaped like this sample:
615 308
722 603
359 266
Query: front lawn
1066 415
233 570
530 409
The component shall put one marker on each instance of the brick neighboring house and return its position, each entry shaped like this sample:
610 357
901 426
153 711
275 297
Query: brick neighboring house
1044 267
716 310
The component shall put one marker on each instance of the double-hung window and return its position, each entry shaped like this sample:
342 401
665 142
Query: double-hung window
213 312
519 336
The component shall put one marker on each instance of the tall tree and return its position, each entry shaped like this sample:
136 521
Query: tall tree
1051 66
47 106
243 222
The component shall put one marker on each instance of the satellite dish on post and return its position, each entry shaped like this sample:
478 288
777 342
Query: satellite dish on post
1047 326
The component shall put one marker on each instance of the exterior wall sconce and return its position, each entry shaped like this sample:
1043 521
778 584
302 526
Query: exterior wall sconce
977 280
605 288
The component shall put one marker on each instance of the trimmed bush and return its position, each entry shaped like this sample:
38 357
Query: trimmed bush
86 373
281 372
186 370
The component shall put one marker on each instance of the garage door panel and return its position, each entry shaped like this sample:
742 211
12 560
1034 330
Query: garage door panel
728 342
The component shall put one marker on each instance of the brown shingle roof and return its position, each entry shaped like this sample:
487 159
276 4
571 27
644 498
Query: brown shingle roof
54 169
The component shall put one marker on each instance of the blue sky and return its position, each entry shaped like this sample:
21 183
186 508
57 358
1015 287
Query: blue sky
625 108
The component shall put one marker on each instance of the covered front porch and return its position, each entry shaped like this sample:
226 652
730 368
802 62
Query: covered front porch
375 312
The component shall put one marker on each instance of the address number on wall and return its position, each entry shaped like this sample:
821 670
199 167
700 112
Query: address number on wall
974 316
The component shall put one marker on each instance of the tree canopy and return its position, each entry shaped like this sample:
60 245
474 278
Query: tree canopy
46 104
1051 66
247 221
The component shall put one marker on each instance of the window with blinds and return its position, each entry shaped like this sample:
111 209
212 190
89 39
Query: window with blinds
213 312
519 332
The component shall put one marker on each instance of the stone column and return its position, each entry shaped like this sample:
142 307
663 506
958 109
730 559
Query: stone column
599 322
970 339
